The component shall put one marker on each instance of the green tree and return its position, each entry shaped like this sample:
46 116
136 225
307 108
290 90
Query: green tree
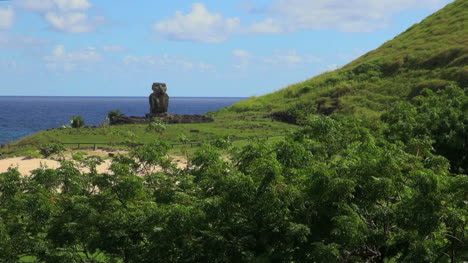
113 114
77 122
157 126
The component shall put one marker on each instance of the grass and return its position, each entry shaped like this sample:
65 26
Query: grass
239 127
433 54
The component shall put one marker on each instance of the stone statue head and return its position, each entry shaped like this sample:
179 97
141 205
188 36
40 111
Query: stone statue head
159 88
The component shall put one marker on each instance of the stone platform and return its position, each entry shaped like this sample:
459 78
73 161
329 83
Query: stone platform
165 117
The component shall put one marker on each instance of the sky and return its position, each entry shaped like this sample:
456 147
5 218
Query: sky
209 48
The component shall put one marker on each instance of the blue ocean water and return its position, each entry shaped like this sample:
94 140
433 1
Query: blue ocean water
22 116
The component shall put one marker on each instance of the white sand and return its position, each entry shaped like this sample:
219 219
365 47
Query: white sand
25 166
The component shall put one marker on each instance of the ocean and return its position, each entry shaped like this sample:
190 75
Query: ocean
22 116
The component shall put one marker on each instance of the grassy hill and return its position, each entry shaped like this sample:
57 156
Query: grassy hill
431 54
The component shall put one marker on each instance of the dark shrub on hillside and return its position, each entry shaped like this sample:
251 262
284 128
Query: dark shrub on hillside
459 62
434 85
304 90
338 92
294 115
290 93
392 67
284 116
327 106
366 68
460 75
444 57
332 81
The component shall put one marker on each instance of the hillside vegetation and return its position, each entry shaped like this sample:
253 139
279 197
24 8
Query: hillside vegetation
432 54
336 189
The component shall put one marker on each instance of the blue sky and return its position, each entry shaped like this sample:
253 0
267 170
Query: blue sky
207 48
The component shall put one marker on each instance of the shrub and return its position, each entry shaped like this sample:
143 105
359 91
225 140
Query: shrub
77 122
391 67
434 85
444 57
156 125
51 149
78 156
114 113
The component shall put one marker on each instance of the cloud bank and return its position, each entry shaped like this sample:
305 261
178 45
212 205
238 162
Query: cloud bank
69 16
284 16
7 16
200 25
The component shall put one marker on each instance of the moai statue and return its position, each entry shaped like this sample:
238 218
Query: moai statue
158 100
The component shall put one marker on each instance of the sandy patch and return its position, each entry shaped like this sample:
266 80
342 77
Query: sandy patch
25 166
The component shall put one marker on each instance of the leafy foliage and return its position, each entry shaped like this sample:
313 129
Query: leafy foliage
50 149
333 191
441 116
77 122
338 189
113 114
157 125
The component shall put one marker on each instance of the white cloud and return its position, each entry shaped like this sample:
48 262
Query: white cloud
82 59
242 57
241 53
7 16
36 5
70 22
166 62
71 5
8 65
354 54
25 43
63 15
349 16
289 58
333 67
47 5
113 48
199 25
268 26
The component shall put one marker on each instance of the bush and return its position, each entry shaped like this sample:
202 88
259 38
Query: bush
433 84
51 149
156 125
114 113
77 122
78 156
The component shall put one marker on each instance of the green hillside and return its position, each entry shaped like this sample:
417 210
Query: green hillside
432 54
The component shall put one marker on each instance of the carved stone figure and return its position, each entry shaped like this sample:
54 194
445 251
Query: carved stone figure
158 100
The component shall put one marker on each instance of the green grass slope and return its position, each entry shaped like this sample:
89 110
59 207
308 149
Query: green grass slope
431 54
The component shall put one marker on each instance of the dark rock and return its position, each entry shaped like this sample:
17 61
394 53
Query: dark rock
159 100
284 116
